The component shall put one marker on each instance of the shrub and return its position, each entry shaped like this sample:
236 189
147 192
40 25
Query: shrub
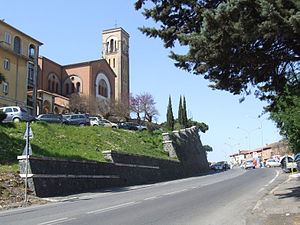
2 116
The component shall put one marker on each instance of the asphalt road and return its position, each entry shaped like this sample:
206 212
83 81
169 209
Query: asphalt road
221 198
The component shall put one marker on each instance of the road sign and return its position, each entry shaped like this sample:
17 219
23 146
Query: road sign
291 165
26 133
29 151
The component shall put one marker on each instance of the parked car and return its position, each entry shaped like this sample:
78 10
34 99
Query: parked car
95 121
217 167
107 123
248 164
272 163
16 114
135 126
78 119
51 118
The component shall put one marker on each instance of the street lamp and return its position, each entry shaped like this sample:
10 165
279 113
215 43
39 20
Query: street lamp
248 132
262 135
261 127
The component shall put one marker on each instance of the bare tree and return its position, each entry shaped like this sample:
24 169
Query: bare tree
144 105
119 110
77 103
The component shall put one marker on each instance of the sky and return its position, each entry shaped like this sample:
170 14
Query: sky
70 31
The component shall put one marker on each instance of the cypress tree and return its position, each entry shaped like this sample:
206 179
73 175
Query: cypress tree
184 114
170 117
180 118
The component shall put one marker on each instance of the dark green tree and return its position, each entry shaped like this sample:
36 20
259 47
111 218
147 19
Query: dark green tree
170 117
286 114
240 46
184 114
235 44
207 148
180 113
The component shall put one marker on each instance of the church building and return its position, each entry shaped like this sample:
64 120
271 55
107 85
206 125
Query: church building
106 78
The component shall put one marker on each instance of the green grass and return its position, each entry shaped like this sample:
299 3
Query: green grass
61 141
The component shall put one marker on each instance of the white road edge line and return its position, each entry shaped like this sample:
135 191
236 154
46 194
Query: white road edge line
65 219
175 192
271 181
111 208
151 198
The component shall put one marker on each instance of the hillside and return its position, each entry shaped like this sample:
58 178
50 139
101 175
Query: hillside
55 140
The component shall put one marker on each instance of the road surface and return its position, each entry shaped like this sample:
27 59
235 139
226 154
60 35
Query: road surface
221 198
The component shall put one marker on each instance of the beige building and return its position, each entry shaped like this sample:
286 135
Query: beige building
18 64
116 53
274 150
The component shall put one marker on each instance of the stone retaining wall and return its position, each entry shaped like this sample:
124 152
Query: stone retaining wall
53 176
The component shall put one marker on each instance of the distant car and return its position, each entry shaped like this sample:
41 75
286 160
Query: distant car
51 118
272 163
107 123
226 166
123 125
78 119
217 167
248 164
135 126
16 114
94 121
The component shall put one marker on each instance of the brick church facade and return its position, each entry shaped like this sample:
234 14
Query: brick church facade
106 78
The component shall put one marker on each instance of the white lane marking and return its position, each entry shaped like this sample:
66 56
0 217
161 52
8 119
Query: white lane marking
271 181
260 190
61 220
175 192
151 198
112 207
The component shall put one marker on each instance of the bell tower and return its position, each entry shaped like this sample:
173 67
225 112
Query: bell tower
116 52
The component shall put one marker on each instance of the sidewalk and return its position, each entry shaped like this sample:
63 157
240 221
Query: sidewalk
281 206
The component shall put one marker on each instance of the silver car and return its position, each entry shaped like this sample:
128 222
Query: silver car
16 114
248 164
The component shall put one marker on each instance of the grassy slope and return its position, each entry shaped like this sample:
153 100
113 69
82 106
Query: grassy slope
54 140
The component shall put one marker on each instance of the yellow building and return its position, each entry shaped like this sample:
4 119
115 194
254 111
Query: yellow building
18 63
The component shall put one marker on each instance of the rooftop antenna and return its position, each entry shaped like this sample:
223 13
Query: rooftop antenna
116 24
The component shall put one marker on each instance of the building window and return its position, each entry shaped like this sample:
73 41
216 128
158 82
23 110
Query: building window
102 88
6 64
49 84
73 88
56 88
7 38
31 52
17 45
53 85
67 89
30 72
78 87
114 63
5 88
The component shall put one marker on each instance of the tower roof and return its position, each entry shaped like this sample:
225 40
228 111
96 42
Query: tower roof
113 30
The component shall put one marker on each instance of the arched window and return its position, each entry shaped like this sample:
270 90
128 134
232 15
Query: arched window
102 88
111 46
67 89
49 84
73 88
78 87
53 84
56 88
31 52
17 45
